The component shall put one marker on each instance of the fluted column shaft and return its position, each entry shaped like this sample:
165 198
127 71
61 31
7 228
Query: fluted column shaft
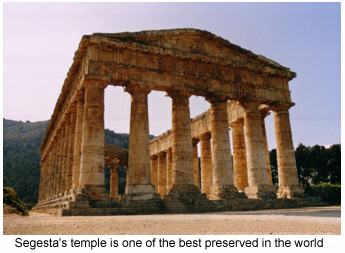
60 169
256 159
222 167
221 154
78 139
268 163
91 179
114 182
154 171
287 169
196 163
239 156
70 155
139 178
169 169
66 143
162 174
206 163
182 149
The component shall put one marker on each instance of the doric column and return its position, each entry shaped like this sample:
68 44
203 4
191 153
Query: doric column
66 143
60 168
154 171
256 159
169 168
268 163
114 182
139 179
196 162
51 168
162 174
91 180
182 149
78 138
222 168
239 155
70 153
287 169
41 190
206 163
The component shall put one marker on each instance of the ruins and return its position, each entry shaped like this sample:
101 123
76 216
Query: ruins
242 89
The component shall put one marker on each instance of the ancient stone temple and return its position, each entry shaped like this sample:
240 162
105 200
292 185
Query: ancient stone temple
241 87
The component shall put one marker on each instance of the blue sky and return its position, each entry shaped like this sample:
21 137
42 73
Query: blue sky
40 39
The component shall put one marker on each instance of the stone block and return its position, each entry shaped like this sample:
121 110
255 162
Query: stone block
294 191
261 192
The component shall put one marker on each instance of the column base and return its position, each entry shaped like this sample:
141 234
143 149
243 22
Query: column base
141 192
185 192
94 192
261 192
290 192
225 192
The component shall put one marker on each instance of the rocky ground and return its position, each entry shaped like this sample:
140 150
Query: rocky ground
317 220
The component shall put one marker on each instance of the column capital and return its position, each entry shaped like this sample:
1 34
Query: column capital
205 136
134 89
178 94
281 106
247 104
264 112
161 154
214 98
195 141
239 122
95 81
154 157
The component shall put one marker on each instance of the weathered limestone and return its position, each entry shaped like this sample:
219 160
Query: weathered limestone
239 155
91 179
256 159
154 171
162 174
287 170
114 182
241 86
169 169
182 149
196 163
78 138
206 163
222 170
268 164
139 178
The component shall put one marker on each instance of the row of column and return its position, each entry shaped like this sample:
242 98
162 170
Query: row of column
250 170
74 159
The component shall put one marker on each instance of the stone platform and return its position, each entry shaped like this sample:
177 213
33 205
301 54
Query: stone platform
79 206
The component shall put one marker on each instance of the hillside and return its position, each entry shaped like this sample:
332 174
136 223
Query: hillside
21 158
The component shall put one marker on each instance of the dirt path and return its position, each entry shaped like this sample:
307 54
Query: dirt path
320 220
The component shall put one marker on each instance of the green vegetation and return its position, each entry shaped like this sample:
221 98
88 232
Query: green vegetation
315 165
319 171
21 158
11 198
328 192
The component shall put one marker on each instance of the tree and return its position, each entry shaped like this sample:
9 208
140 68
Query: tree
315 165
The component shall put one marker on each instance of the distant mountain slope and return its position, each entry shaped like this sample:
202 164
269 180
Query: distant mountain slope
21 158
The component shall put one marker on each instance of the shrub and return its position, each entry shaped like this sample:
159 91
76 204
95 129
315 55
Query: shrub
11 198
328 192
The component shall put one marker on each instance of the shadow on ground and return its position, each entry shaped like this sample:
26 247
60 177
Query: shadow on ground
334 211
